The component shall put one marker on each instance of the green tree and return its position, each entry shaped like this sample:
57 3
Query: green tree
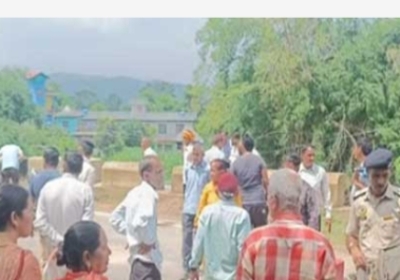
160 97
297 81
15 100
85 98
109 137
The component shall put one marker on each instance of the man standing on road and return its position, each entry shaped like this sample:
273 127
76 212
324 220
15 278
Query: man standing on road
50 172
317 178
136 218
11 156
373 231
222 230
62 202
286 248
215 152
88 174
309 207
252 174
197 176
146 147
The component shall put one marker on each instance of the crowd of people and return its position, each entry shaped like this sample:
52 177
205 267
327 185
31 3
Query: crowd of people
237 221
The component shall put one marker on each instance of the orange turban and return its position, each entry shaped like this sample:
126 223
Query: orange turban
188 135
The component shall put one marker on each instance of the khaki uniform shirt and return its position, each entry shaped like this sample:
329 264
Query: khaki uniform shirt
376 223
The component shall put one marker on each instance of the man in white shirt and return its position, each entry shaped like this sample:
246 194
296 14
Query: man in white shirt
62 202
316 176
146 147
235 140
88 174
215 152
136 218
11 156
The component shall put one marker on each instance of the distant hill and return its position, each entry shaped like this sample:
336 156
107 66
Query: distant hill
125 87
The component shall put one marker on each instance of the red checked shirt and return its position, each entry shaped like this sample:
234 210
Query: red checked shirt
286 249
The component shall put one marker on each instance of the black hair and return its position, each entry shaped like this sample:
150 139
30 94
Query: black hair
365 146
87 147
146 164
294 158
10 176
80 237
248 142
51 156
13 199
74 162
305 148
223 164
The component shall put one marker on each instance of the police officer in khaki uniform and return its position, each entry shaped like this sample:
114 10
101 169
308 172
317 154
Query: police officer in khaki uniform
373 231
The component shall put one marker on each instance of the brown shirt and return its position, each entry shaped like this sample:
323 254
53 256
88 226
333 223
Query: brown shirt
11 263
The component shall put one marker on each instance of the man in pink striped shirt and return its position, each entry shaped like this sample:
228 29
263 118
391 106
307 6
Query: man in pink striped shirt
286 248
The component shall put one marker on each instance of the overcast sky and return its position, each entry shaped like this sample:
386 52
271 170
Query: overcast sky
162 49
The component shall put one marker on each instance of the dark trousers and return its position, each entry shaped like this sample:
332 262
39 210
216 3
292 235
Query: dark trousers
187 227
144 271
258 214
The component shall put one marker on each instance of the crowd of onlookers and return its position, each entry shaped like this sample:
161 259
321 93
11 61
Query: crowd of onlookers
237 222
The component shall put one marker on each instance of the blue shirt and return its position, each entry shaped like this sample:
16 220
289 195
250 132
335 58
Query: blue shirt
40 180
223 228
197 176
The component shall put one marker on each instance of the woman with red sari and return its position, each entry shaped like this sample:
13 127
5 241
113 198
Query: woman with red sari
85 252
16 221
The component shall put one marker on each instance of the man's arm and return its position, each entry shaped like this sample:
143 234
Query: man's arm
201 205
244 228
198 244
42 225
245 268
91 177
312 207
352 242
117 218
326 192
88 211
356 180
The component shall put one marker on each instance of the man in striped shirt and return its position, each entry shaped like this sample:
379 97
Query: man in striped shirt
286 248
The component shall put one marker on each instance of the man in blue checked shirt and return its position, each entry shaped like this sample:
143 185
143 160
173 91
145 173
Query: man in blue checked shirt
197 175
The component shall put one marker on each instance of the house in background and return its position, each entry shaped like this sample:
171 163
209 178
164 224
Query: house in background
168 125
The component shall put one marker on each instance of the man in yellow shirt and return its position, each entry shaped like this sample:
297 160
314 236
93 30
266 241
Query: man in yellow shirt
210 192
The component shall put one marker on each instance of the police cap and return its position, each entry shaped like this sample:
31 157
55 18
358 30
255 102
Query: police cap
380 158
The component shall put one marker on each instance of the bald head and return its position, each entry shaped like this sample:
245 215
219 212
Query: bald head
151 171
146 143
197 154
218 140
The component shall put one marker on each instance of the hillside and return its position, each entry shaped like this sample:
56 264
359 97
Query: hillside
125 87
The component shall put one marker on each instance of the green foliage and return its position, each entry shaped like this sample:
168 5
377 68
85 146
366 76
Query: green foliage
15 101
298 81
133 132
109 137
160 97
32 139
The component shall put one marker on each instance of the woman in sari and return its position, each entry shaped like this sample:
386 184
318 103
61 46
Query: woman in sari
16 221
85 252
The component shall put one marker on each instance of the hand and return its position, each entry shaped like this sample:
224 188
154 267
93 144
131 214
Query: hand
194 275
144 248
358 258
